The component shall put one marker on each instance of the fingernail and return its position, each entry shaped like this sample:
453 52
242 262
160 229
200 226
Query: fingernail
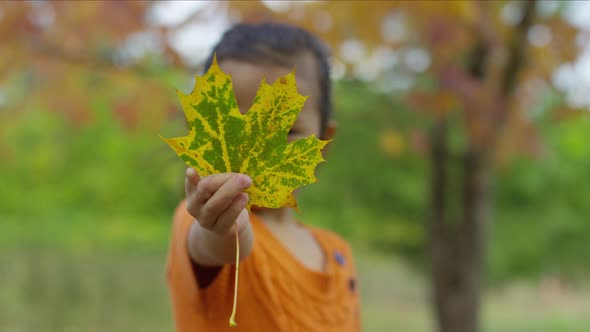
247 181
190 172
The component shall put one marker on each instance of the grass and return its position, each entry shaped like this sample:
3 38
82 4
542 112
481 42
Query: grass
58 291
114 281
394 299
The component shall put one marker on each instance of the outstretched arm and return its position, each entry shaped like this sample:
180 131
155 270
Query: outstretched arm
217 202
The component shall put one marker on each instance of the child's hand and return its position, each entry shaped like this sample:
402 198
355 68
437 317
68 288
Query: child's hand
218 201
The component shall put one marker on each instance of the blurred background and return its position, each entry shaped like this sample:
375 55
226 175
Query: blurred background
458 171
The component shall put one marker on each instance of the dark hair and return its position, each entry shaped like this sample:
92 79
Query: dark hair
279 44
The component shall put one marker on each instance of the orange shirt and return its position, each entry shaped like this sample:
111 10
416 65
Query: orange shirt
276 292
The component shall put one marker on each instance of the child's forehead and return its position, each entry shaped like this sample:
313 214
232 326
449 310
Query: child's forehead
246 76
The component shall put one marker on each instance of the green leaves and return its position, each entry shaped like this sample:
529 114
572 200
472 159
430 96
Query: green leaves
222 139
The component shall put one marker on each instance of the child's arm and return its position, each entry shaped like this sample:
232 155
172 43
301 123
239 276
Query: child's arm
218 203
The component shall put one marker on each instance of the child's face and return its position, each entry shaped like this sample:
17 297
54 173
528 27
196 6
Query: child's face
246 79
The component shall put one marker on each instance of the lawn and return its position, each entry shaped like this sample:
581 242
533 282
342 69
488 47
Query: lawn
74 277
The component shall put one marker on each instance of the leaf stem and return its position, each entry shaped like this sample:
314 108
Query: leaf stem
232 318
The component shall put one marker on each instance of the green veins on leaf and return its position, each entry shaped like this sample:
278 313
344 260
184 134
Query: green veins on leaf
221 139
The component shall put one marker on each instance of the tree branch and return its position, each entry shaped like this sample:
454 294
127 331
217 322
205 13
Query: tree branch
97 61
517 48
515 64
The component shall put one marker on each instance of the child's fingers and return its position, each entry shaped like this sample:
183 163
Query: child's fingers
242 220
228 218
198 197
191 181
209 185
222 198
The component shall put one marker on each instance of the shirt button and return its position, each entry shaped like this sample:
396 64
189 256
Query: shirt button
352 285
339 258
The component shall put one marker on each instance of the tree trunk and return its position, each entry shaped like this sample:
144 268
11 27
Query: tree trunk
458 228
457 236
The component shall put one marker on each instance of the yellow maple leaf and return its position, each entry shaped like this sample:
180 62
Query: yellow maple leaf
224 140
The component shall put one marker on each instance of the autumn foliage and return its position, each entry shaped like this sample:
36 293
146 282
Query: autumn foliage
480 74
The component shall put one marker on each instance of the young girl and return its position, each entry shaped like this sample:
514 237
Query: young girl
292 277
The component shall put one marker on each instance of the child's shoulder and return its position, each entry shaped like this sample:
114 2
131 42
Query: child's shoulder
332 239
329 235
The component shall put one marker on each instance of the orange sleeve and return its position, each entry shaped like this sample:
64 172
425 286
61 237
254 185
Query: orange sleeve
181 283
191 305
